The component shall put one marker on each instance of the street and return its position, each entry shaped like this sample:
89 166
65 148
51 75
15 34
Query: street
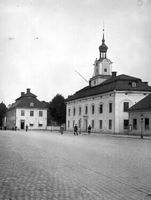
41 165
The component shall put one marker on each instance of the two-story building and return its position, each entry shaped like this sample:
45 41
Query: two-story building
27 110
140 117
104 103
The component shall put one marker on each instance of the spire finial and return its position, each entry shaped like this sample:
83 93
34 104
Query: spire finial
103 40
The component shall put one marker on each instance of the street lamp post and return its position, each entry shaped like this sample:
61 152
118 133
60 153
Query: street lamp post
141 126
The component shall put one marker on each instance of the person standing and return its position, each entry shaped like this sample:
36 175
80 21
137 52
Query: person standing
26 128
76 130
89 129
61 130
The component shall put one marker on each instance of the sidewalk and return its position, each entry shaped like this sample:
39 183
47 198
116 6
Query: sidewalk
110 135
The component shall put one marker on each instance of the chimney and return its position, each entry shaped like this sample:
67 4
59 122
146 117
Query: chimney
114 74
28 90
22 93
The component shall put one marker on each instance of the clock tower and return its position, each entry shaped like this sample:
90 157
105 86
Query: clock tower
102 66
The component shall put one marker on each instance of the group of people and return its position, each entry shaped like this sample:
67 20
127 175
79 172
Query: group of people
76 129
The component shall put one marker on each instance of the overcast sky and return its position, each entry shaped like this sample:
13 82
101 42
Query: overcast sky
43 42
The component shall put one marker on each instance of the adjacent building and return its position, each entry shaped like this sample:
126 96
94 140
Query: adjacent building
27 111
104 103
140 117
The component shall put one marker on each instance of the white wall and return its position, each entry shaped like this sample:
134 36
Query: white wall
105 116
36 119
117 116
121 97
140 123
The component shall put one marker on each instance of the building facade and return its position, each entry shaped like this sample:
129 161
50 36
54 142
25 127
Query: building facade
140 117
27 111
104 103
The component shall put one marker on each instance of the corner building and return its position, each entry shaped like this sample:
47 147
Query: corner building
27 110
104 103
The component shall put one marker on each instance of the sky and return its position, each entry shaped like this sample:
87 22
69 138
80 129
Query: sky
44 42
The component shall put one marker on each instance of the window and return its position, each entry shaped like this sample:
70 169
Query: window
22 113
110 124
74 111
40 113
101 108
92 123
79 110
31 104
73 122
146 123
134 123
86 110
133 84
126 123
31 124
40 124
31 113
105 70
125 106
100 124
110 107
68 124
92 109
69 112
79 123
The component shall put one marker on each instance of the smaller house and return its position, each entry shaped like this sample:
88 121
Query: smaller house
27 111
140 117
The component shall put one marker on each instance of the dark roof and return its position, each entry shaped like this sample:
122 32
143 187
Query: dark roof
28 94
144 104
25 100
119 83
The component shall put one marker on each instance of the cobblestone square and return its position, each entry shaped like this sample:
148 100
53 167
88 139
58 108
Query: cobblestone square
41 165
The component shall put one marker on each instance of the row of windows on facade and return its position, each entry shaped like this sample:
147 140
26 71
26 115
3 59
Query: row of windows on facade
31 113
92 124
125 124
125 109
146 123
32 125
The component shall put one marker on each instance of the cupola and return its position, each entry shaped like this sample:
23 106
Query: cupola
103 48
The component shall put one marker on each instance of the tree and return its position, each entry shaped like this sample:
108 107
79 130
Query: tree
57 109
3 110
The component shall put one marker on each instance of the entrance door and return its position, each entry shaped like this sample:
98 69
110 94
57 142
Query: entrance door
22 124
85 124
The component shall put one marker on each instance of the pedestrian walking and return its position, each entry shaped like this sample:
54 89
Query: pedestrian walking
76 130
89 129
61 130
26 128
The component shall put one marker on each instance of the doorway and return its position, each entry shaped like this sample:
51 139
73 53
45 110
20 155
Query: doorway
85 124
22 124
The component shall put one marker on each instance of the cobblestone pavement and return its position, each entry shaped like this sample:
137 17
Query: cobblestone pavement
47 165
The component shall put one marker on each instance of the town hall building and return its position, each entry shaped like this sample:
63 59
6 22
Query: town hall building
27 111
104 103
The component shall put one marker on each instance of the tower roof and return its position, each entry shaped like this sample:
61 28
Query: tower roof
103 47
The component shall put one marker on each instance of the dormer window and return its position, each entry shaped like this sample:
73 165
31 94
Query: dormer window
133 84
31 104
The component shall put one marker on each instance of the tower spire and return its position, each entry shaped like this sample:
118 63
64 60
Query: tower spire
103 40
103 48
